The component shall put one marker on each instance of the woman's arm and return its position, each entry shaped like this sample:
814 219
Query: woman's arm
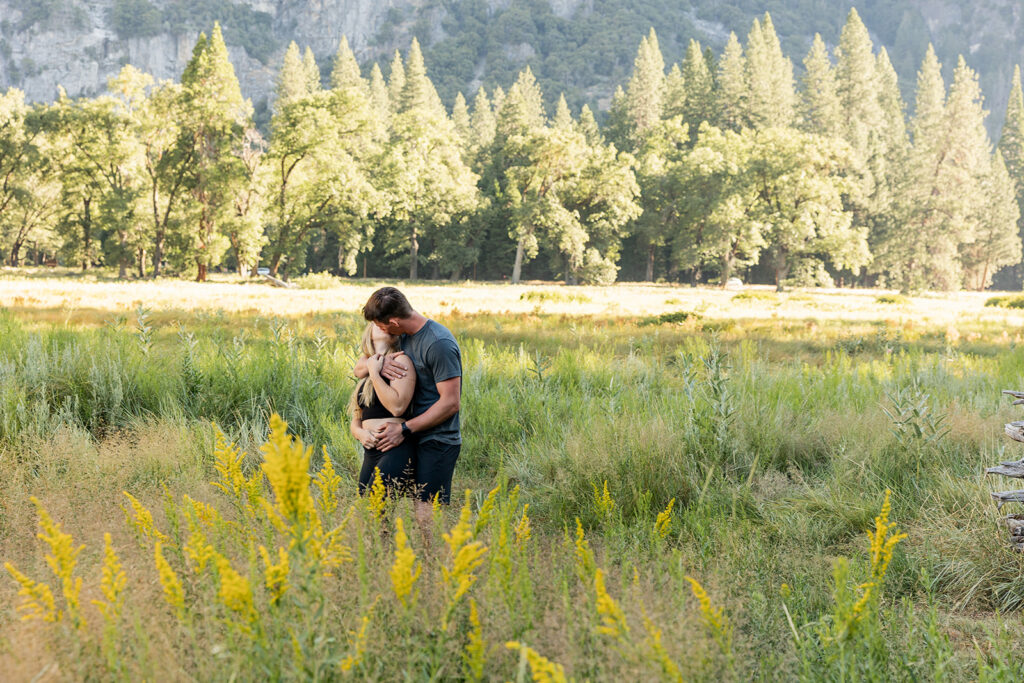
363 436
395 396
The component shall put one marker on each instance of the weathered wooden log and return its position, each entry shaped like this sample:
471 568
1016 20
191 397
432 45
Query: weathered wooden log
1015 523
1010 468
279 283
1015 430
1004 497
1019 395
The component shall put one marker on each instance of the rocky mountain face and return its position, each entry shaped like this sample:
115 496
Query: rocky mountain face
79 44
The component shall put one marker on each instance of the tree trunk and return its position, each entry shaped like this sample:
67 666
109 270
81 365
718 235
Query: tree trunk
15 253
649 276
726 268
517 269
200 272
414 255
142 262
158 253
122 259
275 263
86 234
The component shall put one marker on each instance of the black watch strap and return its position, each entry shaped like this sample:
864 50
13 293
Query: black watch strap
405 429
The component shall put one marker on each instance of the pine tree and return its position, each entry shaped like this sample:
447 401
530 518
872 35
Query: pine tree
379 100
482 120
309 65
588 126
292 83
522 109
396 82
461 120
731 86
645 90
418 94
771 98
997 242
217 117
698 84
675 93
858 84
1011 147
345 72
563 117
819 107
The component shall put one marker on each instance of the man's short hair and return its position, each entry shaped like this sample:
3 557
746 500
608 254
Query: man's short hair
386 303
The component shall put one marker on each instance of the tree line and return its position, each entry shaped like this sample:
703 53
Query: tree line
715 167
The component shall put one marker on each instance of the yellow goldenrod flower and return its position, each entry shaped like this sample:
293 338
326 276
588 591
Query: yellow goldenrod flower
663 524
435 507
286 464
327 482
523 527
141 520
234 592
474 657
585 564
112 583
613 621
37 598
543 669
359 642
462 532
714 618
227 460
486 512
62 560
275 575
603 501
405 569
658 652
174 594
377 501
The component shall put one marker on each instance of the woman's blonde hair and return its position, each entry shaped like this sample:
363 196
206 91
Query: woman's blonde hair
364 394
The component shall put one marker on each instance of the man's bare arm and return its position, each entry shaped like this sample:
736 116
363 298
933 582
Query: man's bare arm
390 435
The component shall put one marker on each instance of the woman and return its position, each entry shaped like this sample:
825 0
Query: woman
374 403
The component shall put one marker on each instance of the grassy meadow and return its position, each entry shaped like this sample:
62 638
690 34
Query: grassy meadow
661 483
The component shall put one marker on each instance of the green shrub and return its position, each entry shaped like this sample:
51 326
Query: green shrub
540 295
672 318
317 281
756 295
897 299
1006 301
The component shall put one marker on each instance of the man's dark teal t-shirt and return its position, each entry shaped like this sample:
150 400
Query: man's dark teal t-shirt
436 356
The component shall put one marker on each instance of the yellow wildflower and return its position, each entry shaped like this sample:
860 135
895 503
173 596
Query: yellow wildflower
62 560
227 460
359 642
461 532
523 527
585 563
327 482
475 655
613 621
377 501
663 524
112 583
37 598
286 464
141 520
714 618
881 543
234 592
658 652
174 594
603 501
275 575
467 556
543 670
405 569
486 512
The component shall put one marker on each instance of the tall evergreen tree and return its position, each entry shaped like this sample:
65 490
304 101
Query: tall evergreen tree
698 84
645 90
1011 147
820 110
771 96
309 65
858 85
292 83
482 121
345 72
674 103
731 86
996 242
396 82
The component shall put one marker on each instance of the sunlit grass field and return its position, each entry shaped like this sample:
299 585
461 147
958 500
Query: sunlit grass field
664 483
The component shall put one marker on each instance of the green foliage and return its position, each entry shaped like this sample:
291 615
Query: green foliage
1006 301
895 299
673 318
546 295
317 281
136 19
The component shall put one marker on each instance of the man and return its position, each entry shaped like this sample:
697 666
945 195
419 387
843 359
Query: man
436 399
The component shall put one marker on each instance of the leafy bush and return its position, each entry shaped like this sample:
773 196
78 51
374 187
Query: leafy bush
756 295
1006 301
317 281
897 299
540 296
672 318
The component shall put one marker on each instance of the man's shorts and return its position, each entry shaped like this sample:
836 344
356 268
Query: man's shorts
435 463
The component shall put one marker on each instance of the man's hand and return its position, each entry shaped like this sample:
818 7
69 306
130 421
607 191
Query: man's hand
395 366
388 436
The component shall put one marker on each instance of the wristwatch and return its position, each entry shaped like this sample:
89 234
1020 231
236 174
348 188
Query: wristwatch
405 429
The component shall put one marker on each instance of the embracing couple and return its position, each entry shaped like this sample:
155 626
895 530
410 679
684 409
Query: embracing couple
405 407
